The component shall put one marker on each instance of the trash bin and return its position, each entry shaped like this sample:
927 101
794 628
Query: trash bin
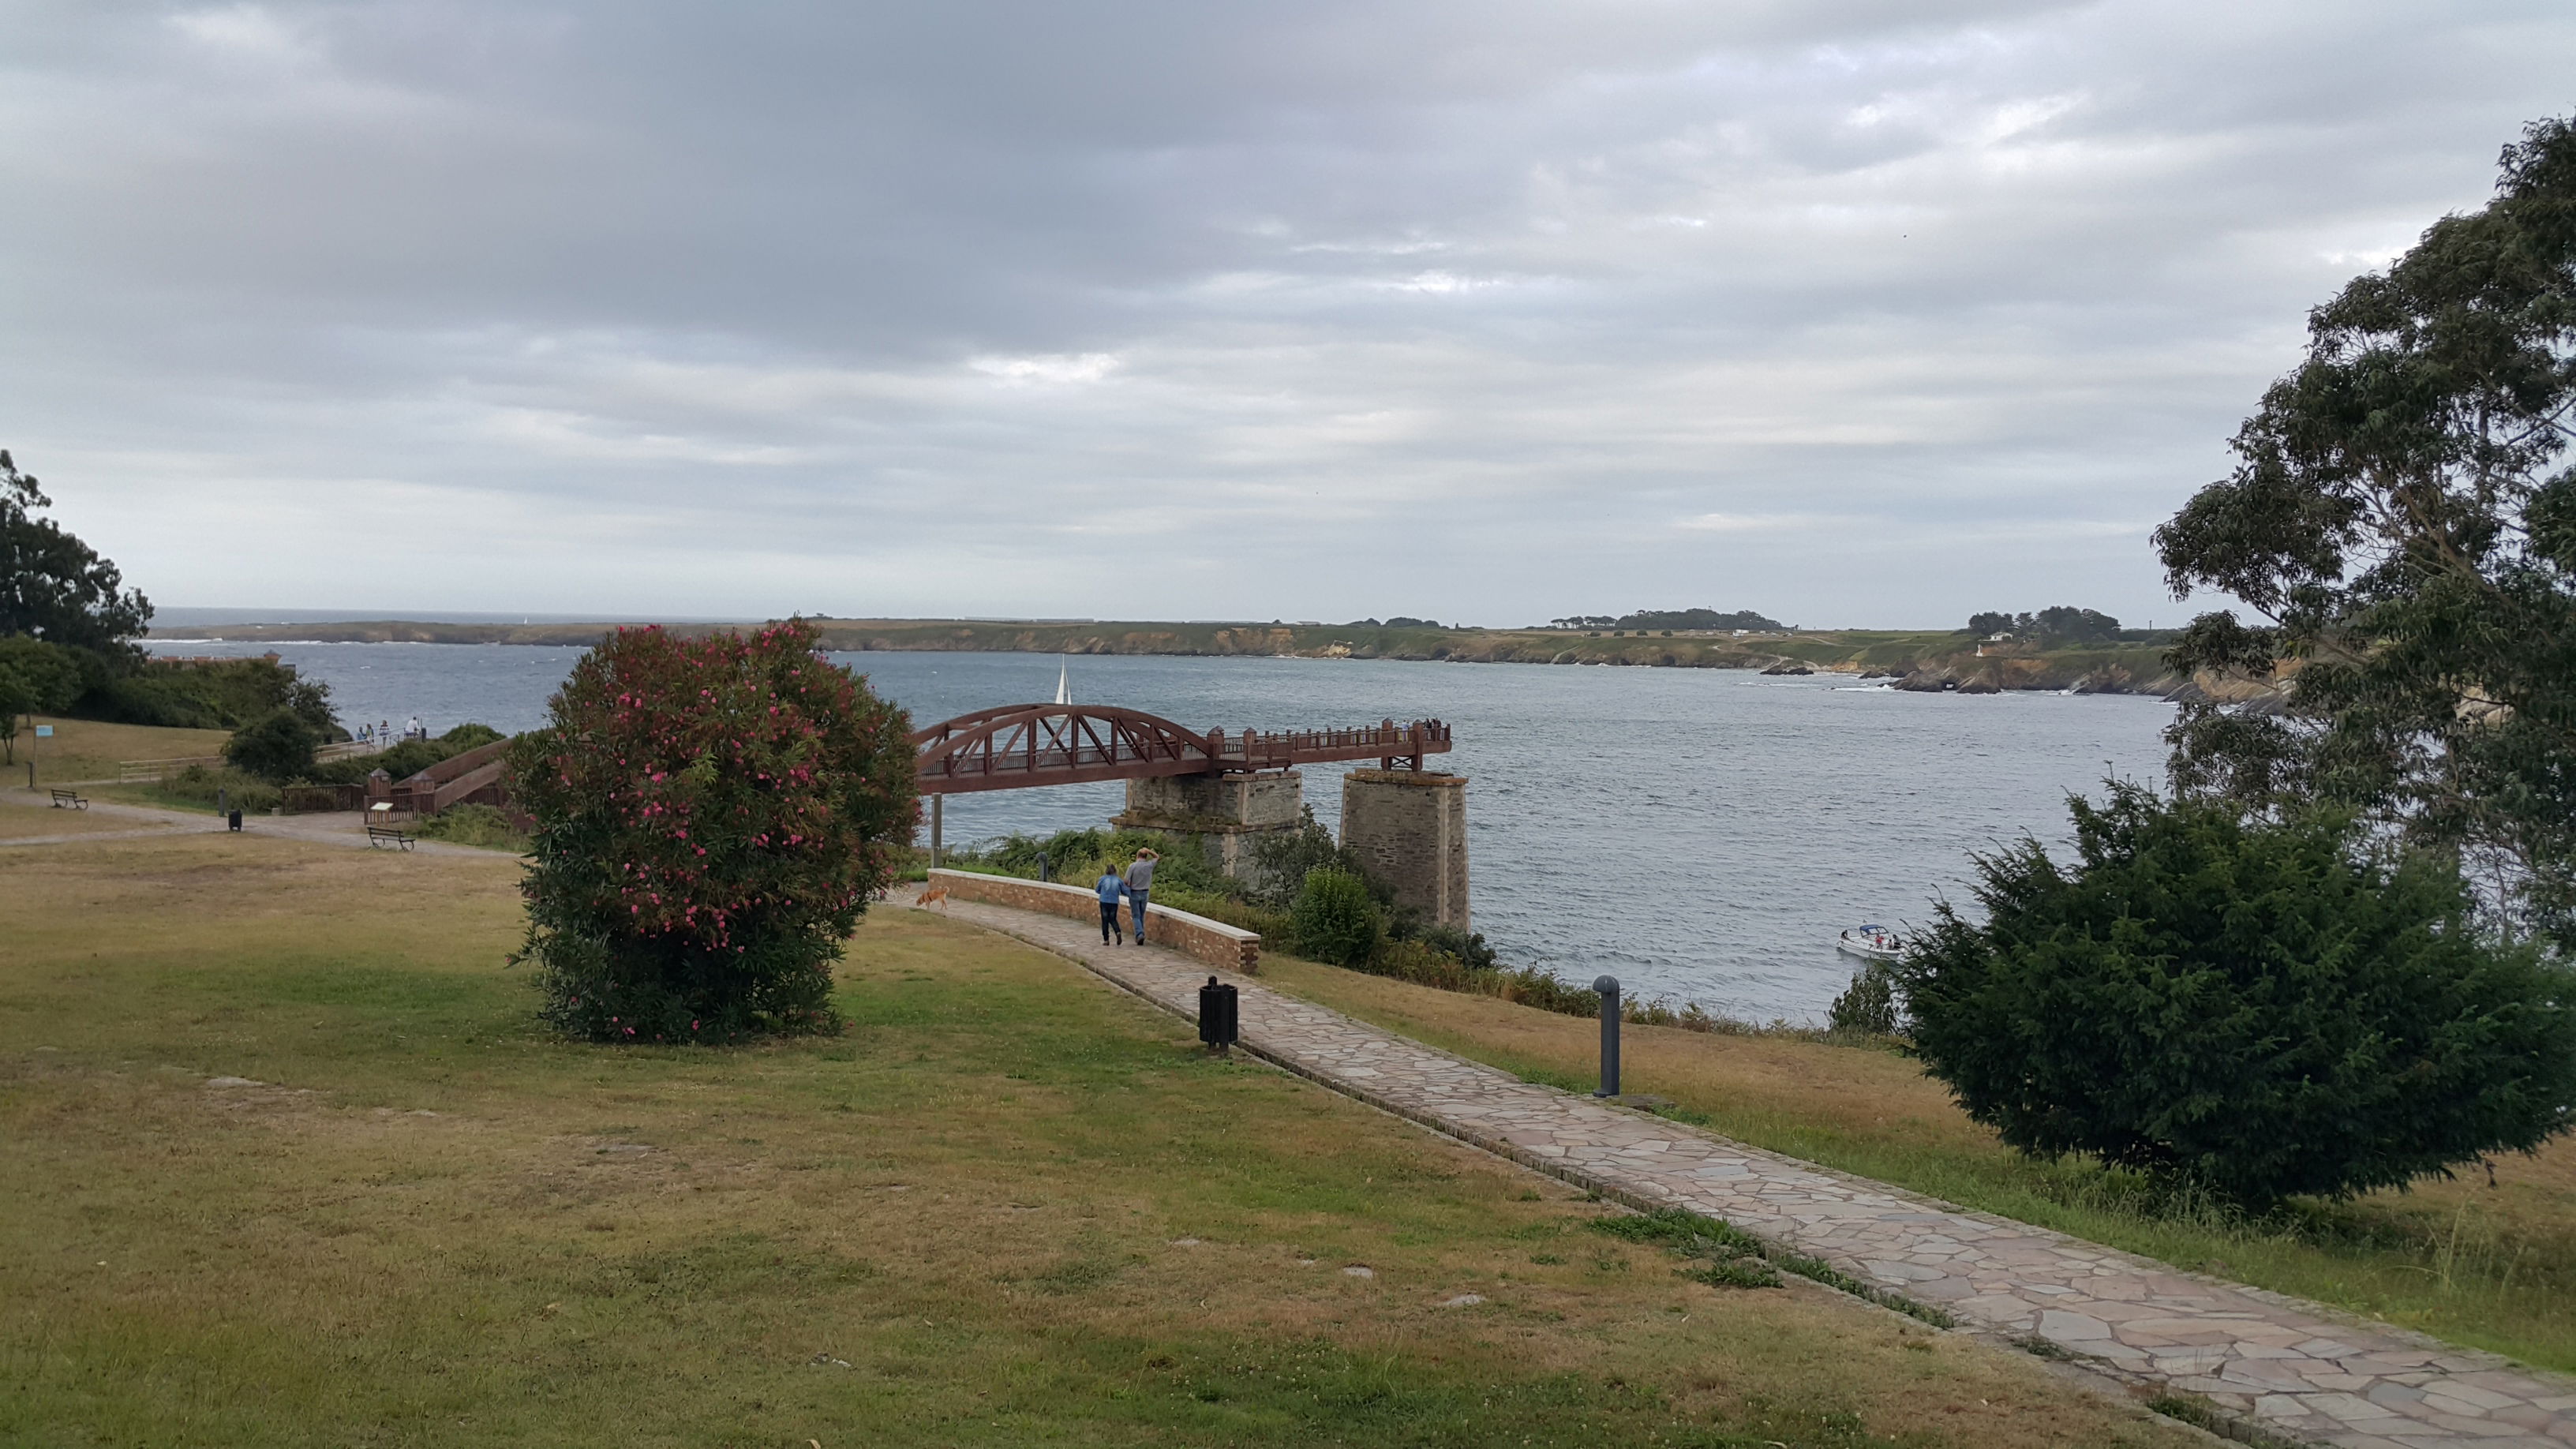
234 820
1217 1004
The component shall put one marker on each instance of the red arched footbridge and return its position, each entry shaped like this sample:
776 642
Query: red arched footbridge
1017 746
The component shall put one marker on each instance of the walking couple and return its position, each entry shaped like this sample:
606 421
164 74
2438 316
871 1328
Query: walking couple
1133 887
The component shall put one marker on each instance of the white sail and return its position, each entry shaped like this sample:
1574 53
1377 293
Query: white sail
1063 681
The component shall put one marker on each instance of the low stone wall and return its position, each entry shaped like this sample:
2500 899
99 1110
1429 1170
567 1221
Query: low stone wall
1213 942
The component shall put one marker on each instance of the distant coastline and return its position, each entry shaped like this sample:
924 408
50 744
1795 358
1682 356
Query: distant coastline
1909 659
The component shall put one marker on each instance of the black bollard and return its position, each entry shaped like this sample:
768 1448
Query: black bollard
1217 1005
1608 986
1044 872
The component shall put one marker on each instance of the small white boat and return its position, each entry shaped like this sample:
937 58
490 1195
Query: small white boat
1871 943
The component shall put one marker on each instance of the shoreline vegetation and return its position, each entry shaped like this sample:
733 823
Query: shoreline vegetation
1924 660
1398 945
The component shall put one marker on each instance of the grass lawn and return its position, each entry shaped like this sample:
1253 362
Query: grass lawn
1010 1206
2487 1267
83 749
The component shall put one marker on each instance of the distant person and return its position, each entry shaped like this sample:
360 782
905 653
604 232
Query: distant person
1140 879
417 732
1110 887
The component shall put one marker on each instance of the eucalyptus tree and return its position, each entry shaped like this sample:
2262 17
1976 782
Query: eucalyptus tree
2402 519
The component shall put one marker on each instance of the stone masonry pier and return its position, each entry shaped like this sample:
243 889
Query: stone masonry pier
1223 817
1410 826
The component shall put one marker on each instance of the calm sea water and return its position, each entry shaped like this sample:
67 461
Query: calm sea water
1700 834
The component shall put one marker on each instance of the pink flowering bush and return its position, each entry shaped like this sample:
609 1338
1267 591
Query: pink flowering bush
712 816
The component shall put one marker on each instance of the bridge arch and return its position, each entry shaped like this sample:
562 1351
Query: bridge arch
1014 746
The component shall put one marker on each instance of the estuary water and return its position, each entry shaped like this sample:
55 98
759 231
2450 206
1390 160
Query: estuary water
1700 834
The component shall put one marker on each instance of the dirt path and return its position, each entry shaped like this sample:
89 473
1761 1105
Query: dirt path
344 827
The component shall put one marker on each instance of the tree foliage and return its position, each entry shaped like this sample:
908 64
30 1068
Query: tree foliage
2057 624
1281 861
17 701
223 695
1336 921
35 678
277 747
1674 619
2243 1002
2403 520
712 816
1869 1006
54 586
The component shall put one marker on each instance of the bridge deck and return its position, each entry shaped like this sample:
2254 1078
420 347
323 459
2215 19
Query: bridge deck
1017 747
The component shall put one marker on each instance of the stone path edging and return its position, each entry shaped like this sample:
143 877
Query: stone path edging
2271 1366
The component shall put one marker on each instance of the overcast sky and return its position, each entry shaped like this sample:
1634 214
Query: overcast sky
1871 312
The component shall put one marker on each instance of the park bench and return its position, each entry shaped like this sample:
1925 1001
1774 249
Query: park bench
386 835
69 800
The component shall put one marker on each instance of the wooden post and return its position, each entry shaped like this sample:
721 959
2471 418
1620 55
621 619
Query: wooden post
934 830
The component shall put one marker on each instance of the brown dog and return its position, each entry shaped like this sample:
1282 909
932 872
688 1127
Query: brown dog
935 896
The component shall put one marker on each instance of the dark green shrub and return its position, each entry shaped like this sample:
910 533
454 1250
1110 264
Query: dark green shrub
277 747
17 699
1336 921
2244 1004
53 676
711 817
1282 861
1867 1007
1468 947
470 735
35 678
227 695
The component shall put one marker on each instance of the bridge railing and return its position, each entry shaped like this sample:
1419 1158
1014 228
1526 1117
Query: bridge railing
1387 738
1007 747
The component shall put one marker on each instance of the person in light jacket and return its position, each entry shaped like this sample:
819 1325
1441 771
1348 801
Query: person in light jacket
1140 880
1110 886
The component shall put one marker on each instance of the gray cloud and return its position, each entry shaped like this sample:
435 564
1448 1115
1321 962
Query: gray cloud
1859 312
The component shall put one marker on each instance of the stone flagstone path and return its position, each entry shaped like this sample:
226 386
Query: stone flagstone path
2293 1369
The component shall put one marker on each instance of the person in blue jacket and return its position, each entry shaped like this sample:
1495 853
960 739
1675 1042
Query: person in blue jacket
1111 886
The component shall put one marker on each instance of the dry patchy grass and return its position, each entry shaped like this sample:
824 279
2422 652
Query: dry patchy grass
18 821
2487 1267
84 749
1009 1205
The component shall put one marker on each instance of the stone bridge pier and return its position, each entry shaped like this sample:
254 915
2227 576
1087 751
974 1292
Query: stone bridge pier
1408 827
1221 816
